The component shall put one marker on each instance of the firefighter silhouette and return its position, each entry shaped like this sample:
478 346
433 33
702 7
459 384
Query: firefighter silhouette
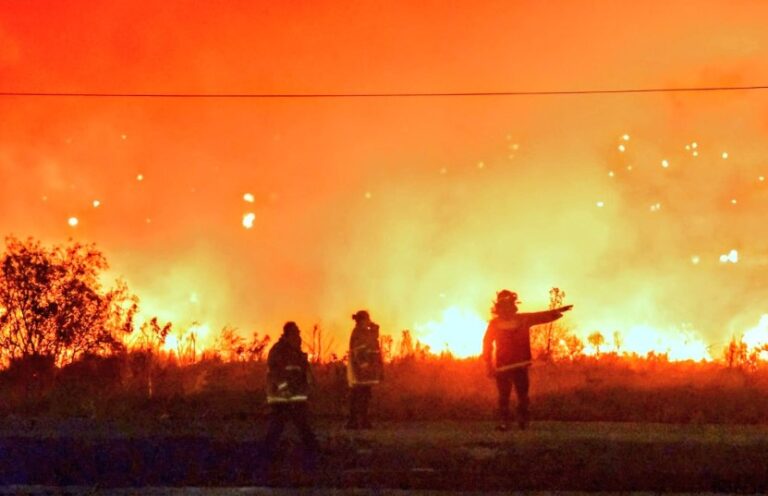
364 369
507 352
288 381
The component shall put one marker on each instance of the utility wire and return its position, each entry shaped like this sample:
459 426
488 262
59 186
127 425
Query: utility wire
689 89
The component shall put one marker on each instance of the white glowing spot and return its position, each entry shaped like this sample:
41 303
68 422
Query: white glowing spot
665 163
725 155
695 153
733 201
600 204
248 219
694 145
96 203
622 148
73 221
761 178
249 197
611 174
695 260
732 257
625 137
687 147
629 167
193 298
123 137
480 165
368 195
140 177
656 207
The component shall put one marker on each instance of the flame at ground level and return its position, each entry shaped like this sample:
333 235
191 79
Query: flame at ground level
756 338
642 339
460 331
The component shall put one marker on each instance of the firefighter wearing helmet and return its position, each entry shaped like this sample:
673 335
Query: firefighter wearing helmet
364 369
288 380
507 352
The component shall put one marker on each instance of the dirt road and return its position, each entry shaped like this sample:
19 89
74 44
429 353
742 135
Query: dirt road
415 456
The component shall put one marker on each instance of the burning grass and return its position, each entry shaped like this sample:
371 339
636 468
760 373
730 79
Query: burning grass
132 388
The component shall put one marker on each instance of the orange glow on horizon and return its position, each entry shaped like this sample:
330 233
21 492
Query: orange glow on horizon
648 206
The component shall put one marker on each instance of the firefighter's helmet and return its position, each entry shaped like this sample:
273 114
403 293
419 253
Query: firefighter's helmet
506 295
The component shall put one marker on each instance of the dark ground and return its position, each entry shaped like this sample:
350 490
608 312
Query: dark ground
461 456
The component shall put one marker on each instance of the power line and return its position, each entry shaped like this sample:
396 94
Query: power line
690 89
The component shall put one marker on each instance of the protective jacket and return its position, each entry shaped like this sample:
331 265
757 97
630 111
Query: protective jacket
288 375
513 339
365 361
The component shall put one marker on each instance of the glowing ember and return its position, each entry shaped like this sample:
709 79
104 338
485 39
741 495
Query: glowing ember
695 260
96 203
140 177
625 137
73 221
600 204
368 195
248 219
459 331
730 257
665 163
725 155
622 148
249 197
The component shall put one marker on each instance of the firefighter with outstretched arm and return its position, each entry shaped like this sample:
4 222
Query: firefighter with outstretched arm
508 340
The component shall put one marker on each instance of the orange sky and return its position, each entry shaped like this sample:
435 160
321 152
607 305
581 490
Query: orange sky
402 206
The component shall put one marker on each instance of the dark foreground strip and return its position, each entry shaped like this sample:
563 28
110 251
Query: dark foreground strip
535 466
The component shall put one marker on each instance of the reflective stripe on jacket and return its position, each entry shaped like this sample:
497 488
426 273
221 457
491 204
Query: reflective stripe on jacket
365 361
288 374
